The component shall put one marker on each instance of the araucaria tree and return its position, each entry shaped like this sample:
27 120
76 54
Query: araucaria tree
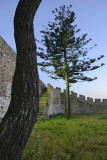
64 53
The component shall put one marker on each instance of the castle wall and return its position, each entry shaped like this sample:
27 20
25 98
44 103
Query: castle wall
56 102
78 105
7 68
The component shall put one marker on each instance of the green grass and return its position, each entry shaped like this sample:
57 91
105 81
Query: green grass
84 137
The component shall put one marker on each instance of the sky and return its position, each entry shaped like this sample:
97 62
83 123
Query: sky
91 18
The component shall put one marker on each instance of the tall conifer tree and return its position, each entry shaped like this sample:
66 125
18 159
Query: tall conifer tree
66 54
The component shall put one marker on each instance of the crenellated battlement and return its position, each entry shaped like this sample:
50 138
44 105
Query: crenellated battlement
88 99
86 105
79 104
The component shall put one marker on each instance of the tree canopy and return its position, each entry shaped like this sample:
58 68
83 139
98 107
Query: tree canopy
61 36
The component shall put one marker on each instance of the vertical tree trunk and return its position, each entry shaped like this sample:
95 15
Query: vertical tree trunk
67 87
23 109
68 114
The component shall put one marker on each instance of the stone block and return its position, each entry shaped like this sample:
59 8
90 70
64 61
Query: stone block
62 98
73 95
89 100
3 48
9 50
1 54
97 100
8 90
81 97
104 101
58 90
3 87
4 103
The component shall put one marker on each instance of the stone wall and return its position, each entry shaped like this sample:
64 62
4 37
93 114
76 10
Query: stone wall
82 105
42 87
56 102
79 105
7 68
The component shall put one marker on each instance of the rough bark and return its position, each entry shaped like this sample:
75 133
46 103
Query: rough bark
23 109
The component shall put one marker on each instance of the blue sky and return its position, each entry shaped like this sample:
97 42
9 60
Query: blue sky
91 18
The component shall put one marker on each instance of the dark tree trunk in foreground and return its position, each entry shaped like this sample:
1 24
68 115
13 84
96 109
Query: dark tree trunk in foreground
23 109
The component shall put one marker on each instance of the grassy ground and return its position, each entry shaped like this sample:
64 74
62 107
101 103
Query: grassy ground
84 137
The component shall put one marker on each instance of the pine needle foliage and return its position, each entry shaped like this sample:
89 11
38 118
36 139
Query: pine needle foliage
65 56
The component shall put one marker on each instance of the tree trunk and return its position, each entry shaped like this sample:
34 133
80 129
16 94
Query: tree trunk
68 114
23 109
67 87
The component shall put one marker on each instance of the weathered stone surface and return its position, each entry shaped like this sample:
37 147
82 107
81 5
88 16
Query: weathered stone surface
7 68
4 103
56 102
81 97
73 95
89 100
